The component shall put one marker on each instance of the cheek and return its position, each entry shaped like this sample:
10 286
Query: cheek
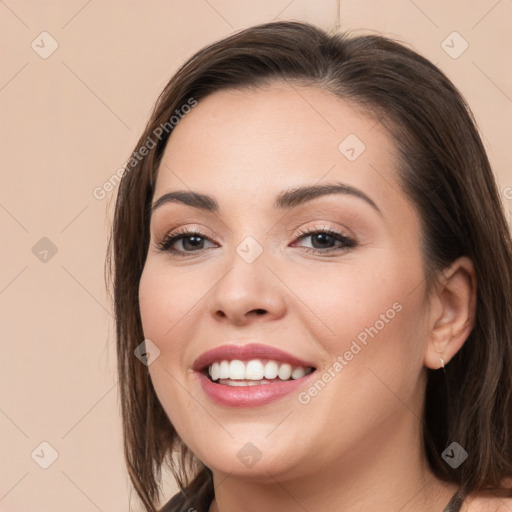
171 301
163 314
166 300
374 344
350 297
371 314
165 303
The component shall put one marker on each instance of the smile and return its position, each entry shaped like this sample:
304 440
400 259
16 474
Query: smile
254 372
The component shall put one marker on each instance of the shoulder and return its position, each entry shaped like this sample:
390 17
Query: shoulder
486 503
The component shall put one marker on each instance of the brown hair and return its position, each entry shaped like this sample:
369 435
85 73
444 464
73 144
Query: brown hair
445 171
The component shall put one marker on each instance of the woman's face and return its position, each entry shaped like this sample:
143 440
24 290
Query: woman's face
334 280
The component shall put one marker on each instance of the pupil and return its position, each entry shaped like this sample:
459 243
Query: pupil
195 243
321 237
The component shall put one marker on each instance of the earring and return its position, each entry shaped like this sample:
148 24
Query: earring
442 363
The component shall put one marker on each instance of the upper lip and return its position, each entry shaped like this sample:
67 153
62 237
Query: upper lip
246 352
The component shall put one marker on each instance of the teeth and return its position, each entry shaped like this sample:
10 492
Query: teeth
236 370
271 370
285 371
228 382
253 372
298 373
224 370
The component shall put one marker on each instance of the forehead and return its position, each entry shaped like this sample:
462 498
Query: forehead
237 142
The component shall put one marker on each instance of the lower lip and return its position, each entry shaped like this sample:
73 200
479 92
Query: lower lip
250 396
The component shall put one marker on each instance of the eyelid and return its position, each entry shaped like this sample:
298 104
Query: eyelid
335 228
186 228
293 232
323 227
347 242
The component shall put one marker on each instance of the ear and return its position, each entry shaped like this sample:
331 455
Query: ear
452 312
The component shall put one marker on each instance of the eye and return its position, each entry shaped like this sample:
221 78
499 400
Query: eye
322 240
191 241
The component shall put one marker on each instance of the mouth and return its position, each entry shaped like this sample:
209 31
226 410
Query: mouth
250 375
254 372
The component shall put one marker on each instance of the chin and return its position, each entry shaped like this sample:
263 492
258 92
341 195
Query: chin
254 456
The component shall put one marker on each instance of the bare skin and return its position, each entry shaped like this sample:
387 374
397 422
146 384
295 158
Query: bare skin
356 445
482 503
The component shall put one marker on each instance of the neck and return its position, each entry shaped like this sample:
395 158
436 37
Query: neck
388 474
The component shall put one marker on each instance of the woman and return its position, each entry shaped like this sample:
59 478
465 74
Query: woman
313 284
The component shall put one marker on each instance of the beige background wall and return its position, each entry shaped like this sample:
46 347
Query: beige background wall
67 123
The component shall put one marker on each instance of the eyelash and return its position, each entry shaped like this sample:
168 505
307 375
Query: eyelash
348 243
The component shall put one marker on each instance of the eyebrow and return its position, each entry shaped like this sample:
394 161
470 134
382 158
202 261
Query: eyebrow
287 199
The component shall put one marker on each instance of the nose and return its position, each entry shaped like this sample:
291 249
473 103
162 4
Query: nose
247 292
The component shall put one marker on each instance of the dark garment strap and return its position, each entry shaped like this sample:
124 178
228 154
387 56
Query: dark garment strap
455 503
